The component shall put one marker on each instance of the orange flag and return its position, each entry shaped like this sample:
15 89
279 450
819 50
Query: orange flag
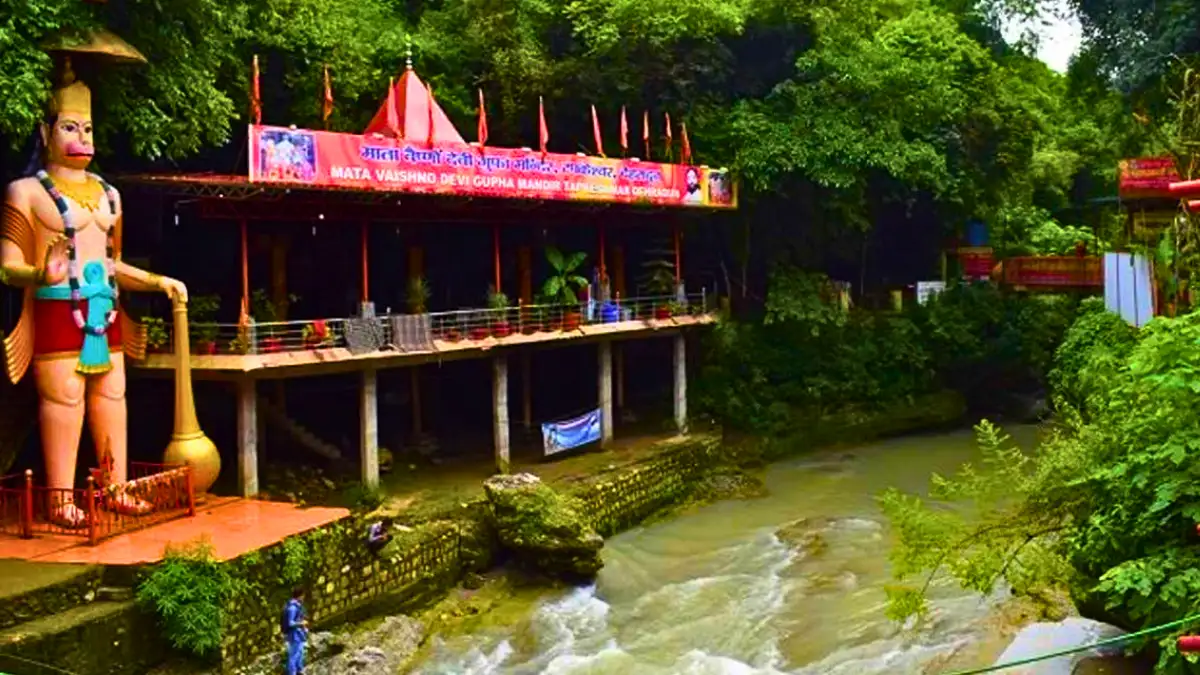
646 132
482 130
429 107
393 115
543 130
624 132
670 154
255 94
327 101
596 133
687 145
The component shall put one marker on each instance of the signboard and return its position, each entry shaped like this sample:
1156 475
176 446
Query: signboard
976 262
1147 176
1054 271
927 289
325 159
572 433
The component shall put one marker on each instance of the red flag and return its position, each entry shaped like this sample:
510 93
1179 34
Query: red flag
669 139
687 145
429 107
482 130
624 132
327 102
596 133
255 94
646 131
393 115
543 130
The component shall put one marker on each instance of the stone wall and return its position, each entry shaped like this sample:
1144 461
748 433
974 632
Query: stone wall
620 501
343 580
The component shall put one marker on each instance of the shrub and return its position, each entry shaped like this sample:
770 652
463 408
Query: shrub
188 591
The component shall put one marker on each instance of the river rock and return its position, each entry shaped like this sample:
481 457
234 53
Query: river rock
382 650
542 528
805 535
1042 638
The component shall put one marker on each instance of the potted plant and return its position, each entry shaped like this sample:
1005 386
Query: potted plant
418 295
317 335
156 334
564 280
267 311
479 328
659 282
497 301
203 313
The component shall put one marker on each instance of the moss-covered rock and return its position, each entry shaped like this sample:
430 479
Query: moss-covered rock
543 529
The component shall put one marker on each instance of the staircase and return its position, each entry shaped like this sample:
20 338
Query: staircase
57 618
297 432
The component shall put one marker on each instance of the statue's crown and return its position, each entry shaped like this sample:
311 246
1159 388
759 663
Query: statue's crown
72 96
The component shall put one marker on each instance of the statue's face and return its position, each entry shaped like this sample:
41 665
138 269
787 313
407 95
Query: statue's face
69 141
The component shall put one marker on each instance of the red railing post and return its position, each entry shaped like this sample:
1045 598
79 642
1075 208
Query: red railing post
93 537
191 492
27 507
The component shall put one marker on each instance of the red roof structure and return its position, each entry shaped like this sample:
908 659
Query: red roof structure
416 111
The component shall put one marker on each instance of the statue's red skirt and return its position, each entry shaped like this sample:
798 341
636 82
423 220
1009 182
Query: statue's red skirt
55 332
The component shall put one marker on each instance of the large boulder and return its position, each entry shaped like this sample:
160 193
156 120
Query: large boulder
544 530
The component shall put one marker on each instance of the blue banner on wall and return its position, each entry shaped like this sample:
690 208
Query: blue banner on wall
572 433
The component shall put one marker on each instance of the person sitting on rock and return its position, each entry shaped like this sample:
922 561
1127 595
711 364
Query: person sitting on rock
379 534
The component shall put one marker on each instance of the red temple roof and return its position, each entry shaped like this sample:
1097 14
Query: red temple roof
415 109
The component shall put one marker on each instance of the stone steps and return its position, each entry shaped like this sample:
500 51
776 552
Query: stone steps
35 590
102 637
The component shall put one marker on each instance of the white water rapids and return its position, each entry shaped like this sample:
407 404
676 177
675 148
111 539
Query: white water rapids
716 592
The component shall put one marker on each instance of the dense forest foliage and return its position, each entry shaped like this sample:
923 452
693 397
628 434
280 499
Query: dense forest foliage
846 121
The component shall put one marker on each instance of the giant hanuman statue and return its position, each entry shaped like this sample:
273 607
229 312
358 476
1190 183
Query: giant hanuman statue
60 241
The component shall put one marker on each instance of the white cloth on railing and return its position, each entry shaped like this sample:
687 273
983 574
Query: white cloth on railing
364 335
412 332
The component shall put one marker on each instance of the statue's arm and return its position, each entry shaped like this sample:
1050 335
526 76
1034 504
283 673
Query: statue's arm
16 242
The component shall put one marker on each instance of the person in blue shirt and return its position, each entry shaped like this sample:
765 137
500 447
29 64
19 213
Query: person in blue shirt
295 632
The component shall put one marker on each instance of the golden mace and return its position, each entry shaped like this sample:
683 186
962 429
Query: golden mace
188 443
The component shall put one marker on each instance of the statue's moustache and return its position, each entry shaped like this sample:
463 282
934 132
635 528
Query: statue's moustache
77 149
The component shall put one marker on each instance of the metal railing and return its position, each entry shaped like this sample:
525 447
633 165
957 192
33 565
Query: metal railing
450 326
163 492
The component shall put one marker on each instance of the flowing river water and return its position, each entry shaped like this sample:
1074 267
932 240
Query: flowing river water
715 591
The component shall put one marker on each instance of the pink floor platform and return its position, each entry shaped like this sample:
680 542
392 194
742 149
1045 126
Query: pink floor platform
232 526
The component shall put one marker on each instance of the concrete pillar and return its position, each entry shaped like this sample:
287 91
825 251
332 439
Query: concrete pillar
500 404
247 420
606 394
527 391
369 429
680 384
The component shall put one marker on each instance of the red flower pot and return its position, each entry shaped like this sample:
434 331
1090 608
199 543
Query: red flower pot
662 313
531 328
271 345
501 329
452 336
571 321
478 333
206 347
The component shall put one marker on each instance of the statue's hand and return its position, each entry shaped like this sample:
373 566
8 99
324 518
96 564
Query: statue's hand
55 270
174 289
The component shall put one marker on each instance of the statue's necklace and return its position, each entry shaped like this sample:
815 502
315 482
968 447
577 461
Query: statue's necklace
72 255
86 194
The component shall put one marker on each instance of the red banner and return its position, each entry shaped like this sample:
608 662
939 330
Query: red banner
326 159
1147 177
